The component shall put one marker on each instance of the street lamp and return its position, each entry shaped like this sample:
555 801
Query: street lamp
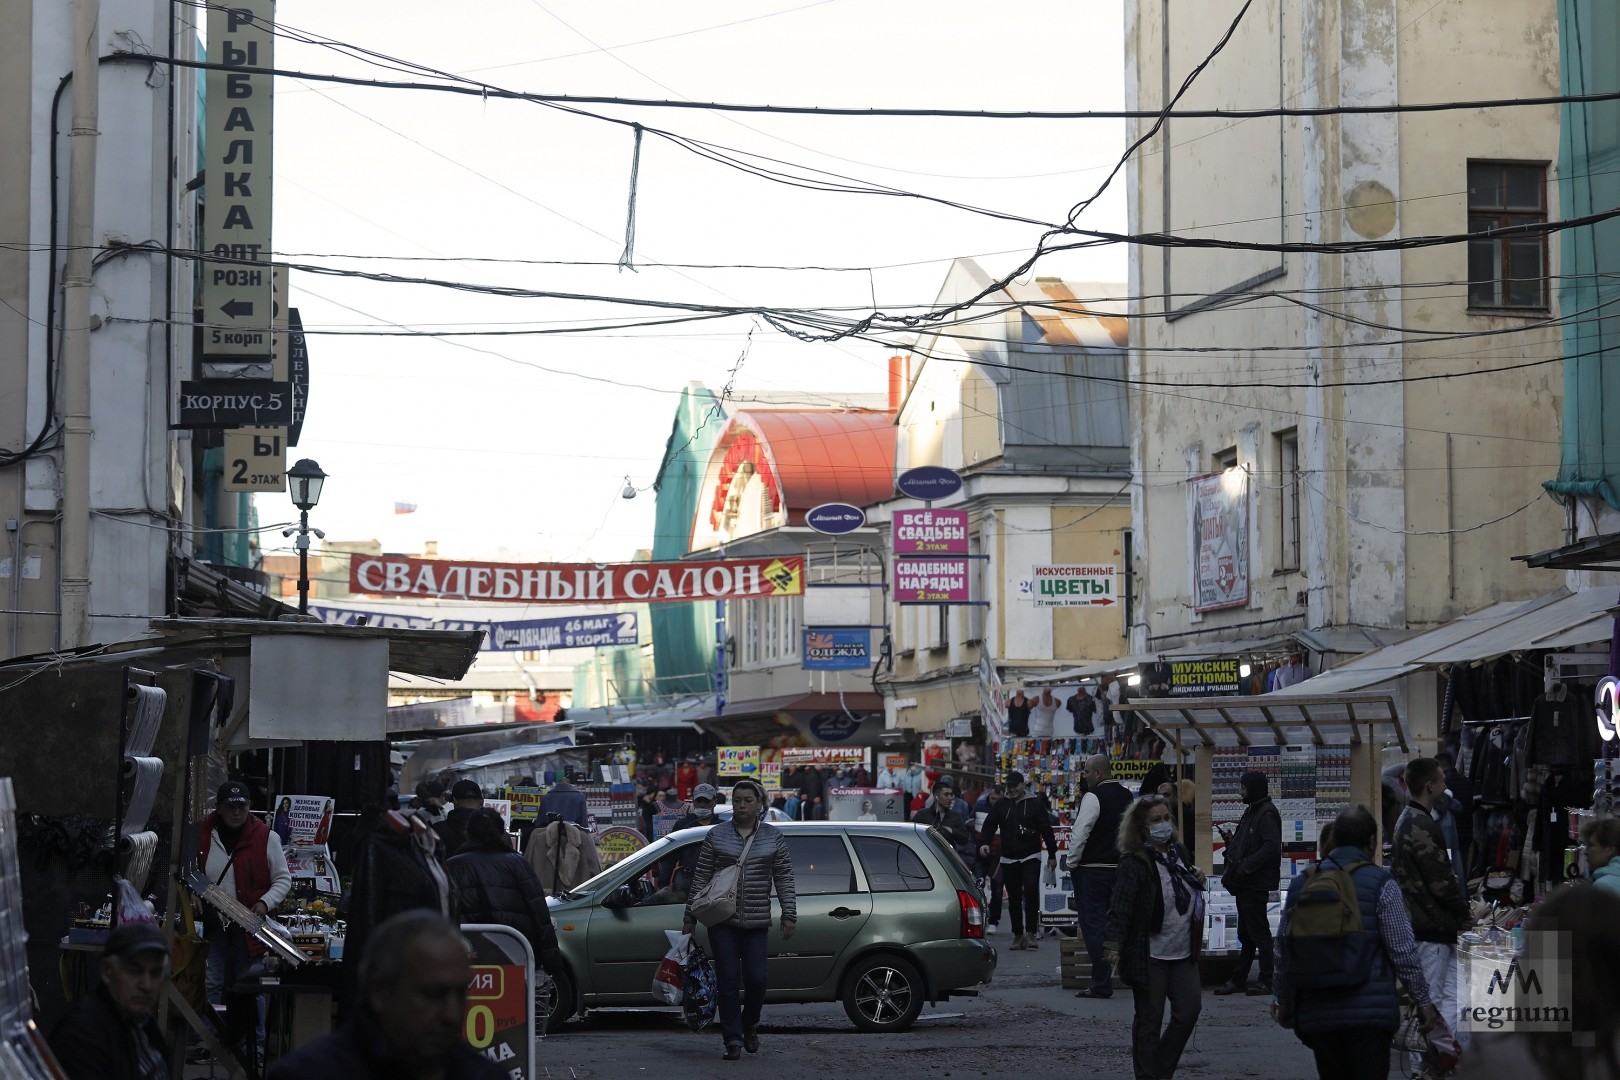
304 480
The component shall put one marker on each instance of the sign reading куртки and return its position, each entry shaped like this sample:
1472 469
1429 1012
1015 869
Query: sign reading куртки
930 581
577 583
1073 586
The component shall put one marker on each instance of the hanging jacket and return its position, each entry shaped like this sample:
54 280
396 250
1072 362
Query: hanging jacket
563 855
768 865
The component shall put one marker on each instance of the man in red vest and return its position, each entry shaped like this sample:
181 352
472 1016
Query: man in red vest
243 857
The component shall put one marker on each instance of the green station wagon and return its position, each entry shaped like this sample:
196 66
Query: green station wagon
889 918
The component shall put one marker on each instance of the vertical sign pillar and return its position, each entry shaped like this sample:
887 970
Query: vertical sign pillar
236 292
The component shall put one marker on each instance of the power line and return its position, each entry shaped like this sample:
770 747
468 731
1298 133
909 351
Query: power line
488 91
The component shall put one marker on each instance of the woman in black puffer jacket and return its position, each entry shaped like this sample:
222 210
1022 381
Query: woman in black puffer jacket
497 885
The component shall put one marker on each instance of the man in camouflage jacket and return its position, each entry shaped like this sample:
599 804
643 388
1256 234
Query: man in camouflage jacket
1423 869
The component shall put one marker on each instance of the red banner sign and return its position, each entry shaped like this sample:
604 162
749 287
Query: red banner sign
576 583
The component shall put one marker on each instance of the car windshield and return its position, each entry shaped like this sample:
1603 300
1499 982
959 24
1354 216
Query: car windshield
640 861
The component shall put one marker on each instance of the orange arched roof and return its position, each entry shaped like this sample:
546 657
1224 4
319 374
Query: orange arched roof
808 457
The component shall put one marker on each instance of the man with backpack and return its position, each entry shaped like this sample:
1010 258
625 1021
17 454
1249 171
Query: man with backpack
1024 821
1428 881
1343 938
1253 862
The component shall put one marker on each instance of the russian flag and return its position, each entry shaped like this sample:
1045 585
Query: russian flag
404 508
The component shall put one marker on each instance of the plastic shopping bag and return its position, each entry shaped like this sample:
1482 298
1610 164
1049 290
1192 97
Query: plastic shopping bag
667 981
702 996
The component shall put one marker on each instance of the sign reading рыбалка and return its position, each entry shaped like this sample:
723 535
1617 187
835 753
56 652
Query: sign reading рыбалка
1074 586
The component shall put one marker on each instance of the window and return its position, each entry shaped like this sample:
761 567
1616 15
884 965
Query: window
820 865
890 866
1288 507
1226 459
1507 272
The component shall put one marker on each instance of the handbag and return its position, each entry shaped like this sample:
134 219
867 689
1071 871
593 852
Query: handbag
188 962
718 900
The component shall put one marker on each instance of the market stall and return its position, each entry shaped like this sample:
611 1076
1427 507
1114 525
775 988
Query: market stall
1319 755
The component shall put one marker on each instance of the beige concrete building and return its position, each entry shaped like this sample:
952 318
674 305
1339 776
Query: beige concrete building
1024 401
1373 424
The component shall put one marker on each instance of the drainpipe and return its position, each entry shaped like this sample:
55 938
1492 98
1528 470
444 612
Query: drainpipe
75 629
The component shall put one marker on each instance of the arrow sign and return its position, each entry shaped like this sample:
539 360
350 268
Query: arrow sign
237 309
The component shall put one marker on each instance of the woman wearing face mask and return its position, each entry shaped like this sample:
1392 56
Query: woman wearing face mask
1155 931
739 943
1600 838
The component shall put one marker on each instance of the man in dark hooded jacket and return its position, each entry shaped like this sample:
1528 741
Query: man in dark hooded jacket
1253 870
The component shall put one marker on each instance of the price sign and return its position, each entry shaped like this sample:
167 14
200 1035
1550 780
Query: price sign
256 459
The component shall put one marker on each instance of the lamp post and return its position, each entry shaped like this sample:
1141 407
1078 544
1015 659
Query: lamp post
304 481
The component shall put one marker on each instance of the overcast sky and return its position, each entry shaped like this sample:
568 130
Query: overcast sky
507 451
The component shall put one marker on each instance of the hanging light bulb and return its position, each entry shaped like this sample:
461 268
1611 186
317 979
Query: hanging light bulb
629 491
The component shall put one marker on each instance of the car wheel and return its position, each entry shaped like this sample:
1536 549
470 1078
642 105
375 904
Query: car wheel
883 993
554 1002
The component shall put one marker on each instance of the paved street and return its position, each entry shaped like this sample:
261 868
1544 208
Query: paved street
1025 1025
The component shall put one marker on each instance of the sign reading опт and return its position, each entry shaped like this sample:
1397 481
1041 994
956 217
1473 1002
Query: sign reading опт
1073 586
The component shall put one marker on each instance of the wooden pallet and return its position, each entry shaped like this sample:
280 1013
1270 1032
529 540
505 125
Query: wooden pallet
1076 965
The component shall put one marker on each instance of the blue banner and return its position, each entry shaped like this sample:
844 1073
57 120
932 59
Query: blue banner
836 650
525 635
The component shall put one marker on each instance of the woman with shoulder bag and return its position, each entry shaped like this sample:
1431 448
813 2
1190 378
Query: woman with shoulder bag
738 931
1155 932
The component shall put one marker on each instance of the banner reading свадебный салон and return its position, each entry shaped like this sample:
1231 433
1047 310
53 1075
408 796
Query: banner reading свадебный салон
577 583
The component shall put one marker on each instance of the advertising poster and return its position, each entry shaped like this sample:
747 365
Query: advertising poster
831 755
618 842
314 864
1073 586
866 804
737 761
525 804
931 581
1055 898
836 650
1218 508
500 999
303 820
930 532
770 775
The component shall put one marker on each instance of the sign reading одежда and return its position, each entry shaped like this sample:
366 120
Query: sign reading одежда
577 583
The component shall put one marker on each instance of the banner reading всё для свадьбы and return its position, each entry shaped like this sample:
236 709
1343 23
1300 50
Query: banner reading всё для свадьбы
577 583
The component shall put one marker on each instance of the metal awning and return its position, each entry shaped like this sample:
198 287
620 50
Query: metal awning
1557 620
1267 720
1349 640
438 654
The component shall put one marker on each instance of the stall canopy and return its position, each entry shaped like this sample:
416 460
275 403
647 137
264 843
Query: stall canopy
1335 720
1559 620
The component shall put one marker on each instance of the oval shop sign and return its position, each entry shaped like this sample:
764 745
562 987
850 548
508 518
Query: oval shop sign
835 727
835 519
927 482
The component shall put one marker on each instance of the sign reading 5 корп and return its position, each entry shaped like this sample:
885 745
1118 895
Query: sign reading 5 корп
256 459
